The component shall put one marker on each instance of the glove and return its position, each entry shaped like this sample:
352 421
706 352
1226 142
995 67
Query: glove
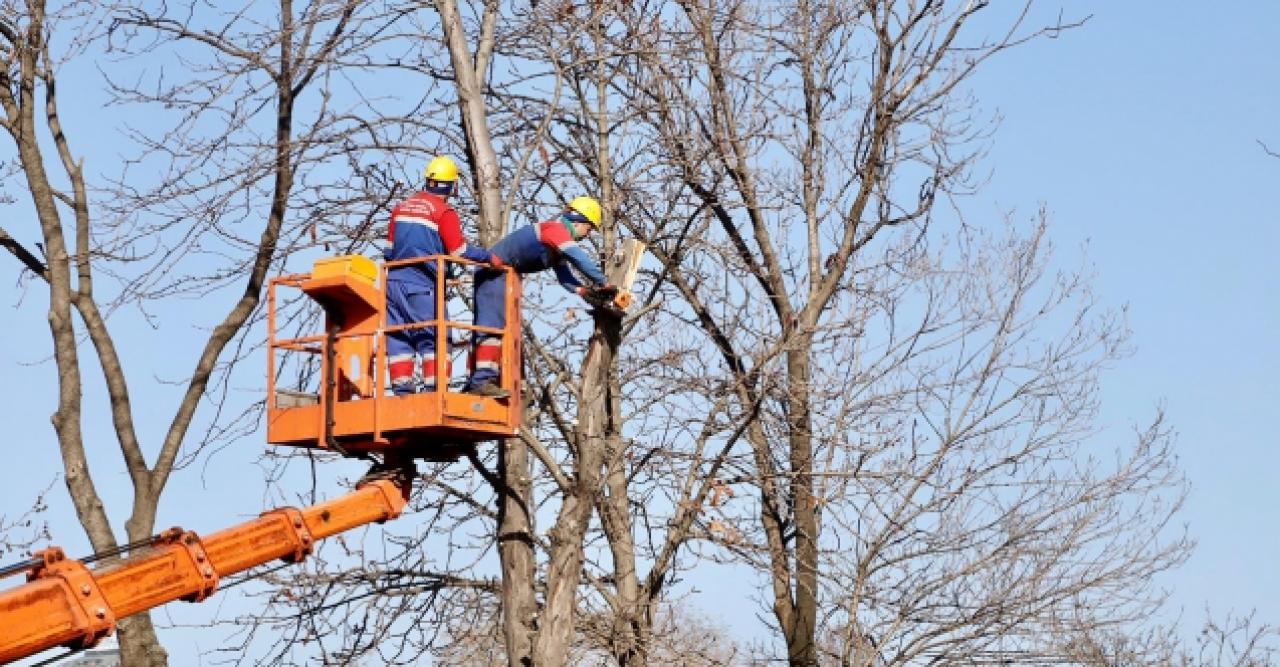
593 296
607 290
495 261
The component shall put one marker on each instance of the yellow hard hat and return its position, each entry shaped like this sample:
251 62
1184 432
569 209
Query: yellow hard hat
441 169
589 208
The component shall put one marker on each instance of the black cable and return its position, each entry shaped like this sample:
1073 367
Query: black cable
19 567
116 551
58 658
250 577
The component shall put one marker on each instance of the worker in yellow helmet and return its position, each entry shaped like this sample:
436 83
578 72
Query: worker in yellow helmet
422 225
552 244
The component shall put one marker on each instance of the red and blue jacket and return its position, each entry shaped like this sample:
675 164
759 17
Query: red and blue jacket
548 245
422 225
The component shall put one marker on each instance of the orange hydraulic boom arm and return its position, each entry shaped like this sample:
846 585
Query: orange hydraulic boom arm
65 603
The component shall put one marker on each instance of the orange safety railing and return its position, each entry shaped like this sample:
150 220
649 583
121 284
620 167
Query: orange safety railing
352 409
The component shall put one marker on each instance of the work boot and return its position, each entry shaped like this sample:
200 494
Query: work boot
490 389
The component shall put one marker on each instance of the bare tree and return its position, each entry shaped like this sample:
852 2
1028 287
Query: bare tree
234 142
543 634
810 334
29 69
916 399
908 402
971 518
1238 641
681 637
673 431
574 396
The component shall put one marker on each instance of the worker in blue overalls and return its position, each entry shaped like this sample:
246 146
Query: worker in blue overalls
552 244
422 225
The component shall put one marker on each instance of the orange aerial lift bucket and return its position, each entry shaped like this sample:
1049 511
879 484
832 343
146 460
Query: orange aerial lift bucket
348 408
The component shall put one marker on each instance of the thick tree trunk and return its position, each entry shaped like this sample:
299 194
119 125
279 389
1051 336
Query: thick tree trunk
520 621
595 434
802 635
139 644
631 621
515 551
564 570
773 521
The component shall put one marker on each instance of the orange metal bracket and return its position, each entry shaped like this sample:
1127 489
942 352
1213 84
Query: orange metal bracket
64 600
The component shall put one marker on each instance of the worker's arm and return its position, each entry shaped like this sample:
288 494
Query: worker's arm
567 280
575 255
555 235
454 242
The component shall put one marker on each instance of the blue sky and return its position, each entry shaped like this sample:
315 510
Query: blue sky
1139 132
